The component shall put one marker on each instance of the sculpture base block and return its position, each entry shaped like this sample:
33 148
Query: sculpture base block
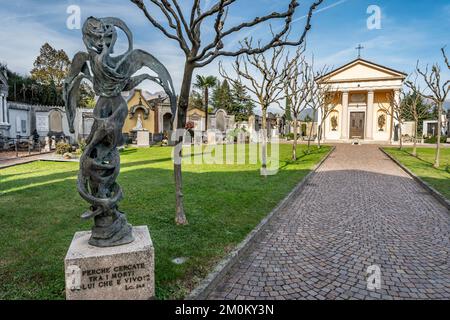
123 272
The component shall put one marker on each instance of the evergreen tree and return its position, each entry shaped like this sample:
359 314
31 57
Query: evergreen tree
222 98
195 100
425 110
242 104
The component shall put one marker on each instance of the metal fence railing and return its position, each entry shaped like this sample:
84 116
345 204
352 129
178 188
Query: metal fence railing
21 145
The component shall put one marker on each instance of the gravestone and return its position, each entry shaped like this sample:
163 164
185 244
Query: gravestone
55 122
42 123
53 144
143 138
123 272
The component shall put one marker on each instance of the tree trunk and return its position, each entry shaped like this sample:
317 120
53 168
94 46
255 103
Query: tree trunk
309 139
310 130
294 145
181 122
319 135
416 124
206 108
264 142
438 141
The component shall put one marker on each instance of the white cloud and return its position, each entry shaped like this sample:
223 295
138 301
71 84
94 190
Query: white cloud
19 48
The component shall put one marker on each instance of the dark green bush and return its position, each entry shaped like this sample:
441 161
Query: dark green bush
290 136
434 139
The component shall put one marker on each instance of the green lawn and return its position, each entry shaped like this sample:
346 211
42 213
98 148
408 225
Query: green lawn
422 166
40 209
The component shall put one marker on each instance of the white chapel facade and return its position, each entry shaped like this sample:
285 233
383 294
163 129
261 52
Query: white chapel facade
362 93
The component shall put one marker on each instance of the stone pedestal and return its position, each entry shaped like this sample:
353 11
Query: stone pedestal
143 138
124 272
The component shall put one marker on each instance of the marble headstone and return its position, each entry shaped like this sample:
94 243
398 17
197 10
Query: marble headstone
143 138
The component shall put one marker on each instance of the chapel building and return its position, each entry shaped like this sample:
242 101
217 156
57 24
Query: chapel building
363 94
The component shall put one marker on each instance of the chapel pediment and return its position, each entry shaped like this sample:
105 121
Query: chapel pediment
362 70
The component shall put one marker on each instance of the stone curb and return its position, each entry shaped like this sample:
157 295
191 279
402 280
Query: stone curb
436 194
205 287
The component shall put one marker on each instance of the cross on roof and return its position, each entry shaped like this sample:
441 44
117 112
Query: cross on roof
359 47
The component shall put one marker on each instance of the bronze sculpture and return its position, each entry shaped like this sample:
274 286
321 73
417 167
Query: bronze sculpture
100 162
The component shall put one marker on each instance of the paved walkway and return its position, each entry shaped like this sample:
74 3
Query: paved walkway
5 163
359 209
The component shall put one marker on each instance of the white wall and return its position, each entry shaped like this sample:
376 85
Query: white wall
16 117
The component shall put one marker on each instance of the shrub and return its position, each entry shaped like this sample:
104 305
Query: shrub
290 136
434 140
82 145
63 147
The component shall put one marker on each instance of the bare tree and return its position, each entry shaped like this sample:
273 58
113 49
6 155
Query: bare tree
445 58
297 88
397 110
264 77
185 28
318 102
322 98
437 92
415 106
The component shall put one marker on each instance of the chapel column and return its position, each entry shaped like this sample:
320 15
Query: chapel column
369 122
1 108
344 129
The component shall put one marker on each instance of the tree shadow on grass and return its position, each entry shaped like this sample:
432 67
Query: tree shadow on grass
222 208
223 205
39 181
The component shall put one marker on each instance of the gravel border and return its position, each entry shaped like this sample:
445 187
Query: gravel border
424 184
205 287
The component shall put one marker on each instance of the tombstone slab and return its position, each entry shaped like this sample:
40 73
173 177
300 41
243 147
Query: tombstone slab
143 138
123 272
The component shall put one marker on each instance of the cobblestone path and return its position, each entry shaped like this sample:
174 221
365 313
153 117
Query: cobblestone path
360 209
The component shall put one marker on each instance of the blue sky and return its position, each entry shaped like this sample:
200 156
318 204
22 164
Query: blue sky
410 30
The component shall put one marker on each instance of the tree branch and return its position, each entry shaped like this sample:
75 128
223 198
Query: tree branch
207 55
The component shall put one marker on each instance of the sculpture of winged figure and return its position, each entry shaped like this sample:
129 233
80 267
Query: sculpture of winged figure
100 161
